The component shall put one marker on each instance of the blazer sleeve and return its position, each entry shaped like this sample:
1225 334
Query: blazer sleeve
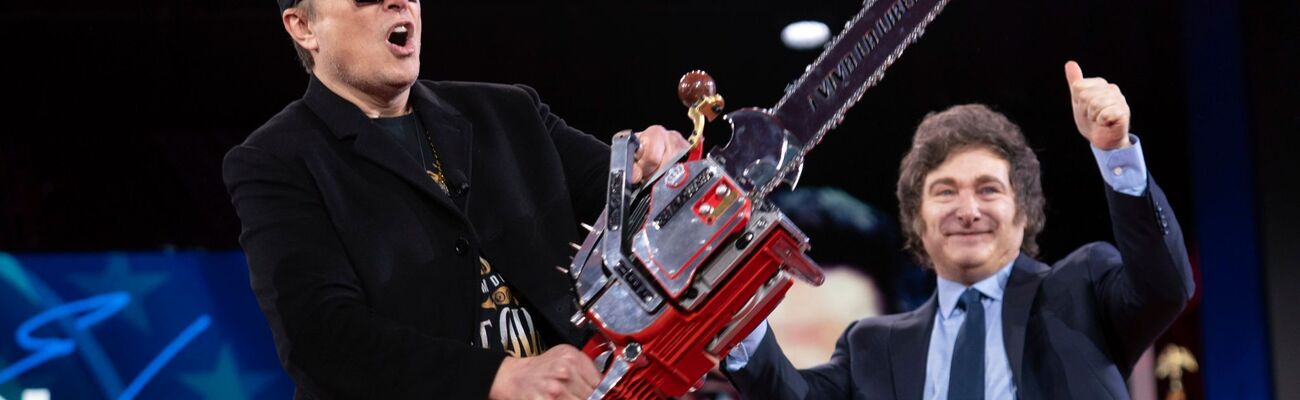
1153 279
770 375
328 339
585 160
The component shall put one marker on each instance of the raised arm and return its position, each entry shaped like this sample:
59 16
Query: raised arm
1146 285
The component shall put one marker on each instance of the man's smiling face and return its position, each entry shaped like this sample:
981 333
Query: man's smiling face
969 209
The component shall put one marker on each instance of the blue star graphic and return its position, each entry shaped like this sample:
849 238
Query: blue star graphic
118 276
225 381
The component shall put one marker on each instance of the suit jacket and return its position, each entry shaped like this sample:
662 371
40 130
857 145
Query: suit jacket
1072 330
368 273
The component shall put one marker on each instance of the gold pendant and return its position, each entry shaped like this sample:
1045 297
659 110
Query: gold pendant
437 178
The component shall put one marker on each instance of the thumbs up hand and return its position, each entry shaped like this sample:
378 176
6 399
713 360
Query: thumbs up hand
1100 111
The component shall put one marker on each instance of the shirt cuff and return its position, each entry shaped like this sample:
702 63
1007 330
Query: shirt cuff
1125 170
739 355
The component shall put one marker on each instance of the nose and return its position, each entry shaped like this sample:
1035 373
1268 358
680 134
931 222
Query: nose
968 209
397 5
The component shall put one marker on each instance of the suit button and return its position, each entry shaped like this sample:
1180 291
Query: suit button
462 246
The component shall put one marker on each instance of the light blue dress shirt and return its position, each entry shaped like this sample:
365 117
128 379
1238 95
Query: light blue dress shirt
947 322
1123 169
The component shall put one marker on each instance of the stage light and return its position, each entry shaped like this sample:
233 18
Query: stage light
805 35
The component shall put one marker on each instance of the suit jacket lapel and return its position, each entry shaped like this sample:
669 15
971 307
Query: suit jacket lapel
382 150
909 346
1022 287
452 133
345 120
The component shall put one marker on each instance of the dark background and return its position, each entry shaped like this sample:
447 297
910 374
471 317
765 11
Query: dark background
131 108
119 112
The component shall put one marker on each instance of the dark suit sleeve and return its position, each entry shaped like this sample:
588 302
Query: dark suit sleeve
585 159
327 337
1153 280
770 375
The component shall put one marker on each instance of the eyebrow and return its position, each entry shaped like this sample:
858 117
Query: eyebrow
941 181
982 179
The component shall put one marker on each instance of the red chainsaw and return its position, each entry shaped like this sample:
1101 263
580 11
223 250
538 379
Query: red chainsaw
675 272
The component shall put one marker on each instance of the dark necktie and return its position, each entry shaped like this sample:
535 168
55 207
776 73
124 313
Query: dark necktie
966 378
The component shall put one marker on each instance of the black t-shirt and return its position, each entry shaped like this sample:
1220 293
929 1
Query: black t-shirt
504 321
409 134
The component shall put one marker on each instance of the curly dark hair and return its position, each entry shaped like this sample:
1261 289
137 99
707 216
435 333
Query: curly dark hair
959 128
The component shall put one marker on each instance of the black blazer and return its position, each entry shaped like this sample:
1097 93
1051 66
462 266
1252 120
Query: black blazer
368 273
1072 330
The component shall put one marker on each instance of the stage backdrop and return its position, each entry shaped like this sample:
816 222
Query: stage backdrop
148 325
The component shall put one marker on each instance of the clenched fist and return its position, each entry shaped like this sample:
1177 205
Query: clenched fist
658 145
1100 111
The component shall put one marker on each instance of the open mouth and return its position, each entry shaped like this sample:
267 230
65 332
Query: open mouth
400 35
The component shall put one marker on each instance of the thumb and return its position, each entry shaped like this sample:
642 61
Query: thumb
1072 72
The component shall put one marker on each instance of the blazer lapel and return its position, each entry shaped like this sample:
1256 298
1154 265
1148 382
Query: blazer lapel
452 134
909 345
382 150
345 120
1022 287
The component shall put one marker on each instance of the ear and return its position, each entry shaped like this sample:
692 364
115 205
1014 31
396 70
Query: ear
299 28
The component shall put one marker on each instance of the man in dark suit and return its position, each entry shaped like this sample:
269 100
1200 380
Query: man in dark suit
402 235
1003 325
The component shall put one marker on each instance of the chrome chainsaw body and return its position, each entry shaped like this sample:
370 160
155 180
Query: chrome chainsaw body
677 271
704 264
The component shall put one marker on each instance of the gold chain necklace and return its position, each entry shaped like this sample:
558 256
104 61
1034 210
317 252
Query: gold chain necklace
436 172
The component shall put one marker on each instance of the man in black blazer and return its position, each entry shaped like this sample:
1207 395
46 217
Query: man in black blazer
1003 325
402 235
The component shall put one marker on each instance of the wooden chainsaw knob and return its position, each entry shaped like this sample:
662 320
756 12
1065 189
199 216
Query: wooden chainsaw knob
695 85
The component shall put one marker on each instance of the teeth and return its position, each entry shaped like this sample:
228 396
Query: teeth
400 29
